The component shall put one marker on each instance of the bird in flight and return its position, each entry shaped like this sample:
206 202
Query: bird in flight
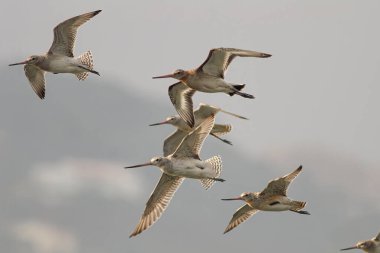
272 198
200 114
209 77
370 246
60 57
176 165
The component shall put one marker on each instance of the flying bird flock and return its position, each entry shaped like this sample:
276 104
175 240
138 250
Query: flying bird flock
181 150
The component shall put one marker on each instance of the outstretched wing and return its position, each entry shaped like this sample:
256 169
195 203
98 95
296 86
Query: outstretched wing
158 202
181 96
66 32
36 77
172 142
242 214
219 58
377 238
204 111
192 143
280 185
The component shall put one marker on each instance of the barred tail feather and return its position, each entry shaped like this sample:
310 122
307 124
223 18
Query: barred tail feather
298 205
220 130
216 164
86 60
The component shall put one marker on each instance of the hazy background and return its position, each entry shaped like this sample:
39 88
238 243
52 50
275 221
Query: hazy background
63 188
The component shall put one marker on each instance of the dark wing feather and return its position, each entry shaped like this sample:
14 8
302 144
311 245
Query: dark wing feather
242 214
219 59
36 77
66 32
192 143
181 96
280 185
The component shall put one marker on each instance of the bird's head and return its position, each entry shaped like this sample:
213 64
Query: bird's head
34 59
179 74
173 120
364 245
155 161
245 196
158 161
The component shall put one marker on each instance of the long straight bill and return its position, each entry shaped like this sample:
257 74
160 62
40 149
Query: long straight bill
138 165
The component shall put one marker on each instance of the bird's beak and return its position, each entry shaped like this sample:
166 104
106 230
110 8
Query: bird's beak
354 247
139 165
164 76
18 63
160 123
237 198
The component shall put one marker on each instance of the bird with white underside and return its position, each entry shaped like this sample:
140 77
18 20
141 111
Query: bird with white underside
176 165
272 198
60 57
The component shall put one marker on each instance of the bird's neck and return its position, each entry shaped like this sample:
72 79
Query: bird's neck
189 74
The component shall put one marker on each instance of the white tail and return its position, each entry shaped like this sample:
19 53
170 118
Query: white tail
86 60
216 165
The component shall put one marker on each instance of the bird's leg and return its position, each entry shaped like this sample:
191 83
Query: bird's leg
301 212
216 179
89 70
223 140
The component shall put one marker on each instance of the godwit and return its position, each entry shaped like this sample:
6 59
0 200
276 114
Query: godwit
370 246
209 77
175 167
272 198
60 57
200 114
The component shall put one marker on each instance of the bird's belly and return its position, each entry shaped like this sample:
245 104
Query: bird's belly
276 204
208 84
65 65
276 207
191 168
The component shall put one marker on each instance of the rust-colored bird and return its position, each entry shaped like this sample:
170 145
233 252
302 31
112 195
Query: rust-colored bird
209 77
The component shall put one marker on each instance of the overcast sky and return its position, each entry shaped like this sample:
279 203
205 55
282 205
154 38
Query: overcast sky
63 188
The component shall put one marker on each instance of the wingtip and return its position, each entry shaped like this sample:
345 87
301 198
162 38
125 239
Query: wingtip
97 12
226 231
299 168
134 233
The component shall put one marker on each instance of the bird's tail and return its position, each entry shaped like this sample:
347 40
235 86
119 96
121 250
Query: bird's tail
239 87
88 62
298 205
236 90
216 165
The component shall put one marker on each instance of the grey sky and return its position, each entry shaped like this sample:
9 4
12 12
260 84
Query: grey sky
316 104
